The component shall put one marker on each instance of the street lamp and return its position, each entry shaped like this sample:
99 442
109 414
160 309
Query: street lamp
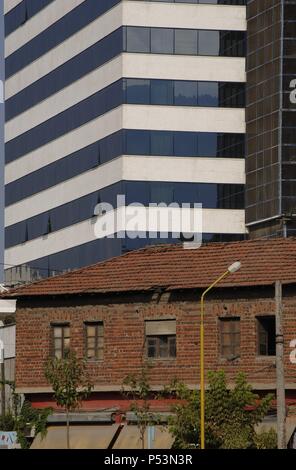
2 369
231 269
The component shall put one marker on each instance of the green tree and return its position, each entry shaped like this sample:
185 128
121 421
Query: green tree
70 382
137 387
31 419
231 415
266 440
22 418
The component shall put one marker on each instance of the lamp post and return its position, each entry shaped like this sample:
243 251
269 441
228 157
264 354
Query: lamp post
2 368
231 269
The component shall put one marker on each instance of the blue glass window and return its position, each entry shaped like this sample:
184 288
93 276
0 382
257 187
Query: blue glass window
137 39
208 94
110 147
162 92
207 144
15 18
59 31
93 57
15 237
22 13
207 195
210 195
137 91
185 193
162 143
133 142
137 192
185 144
74 212
185 93
186 41
162 41
131 39
94 106
109 193
137 142
39 226
52 174
34 7
160 192
209 43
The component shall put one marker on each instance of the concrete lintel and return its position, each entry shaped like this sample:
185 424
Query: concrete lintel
83 417
7 306
118 388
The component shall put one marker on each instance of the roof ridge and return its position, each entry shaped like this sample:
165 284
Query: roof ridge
84 268
165 263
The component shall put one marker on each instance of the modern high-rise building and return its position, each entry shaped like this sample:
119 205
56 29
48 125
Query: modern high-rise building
271 118
108 97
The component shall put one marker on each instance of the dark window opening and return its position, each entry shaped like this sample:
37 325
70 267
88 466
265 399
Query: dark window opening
266 335
162 346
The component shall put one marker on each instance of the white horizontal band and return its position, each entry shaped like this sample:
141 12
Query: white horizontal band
165 67
38 23
65 51
66 98
226 221
178 118
10 5
185 67
188 16
129 168
129 13
129 117
69 143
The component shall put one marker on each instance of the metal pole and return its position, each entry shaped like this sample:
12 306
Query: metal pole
202 360
280 376
202 376
3 398
2 364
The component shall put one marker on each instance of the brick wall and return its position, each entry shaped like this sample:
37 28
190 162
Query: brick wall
124 318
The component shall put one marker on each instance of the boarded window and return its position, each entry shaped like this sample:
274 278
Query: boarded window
230 337
61 340
94 340
266 335
160 339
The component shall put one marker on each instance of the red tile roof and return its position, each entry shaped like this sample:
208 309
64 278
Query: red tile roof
172 267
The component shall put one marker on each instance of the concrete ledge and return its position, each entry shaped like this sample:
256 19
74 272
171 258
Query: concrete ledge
84 417
118 388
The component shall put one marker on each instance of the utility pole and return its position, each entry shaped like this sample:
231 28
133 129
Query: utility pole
280 376
2 366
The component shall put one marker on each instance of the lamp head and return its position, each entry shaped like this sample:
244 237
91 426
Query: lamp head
234 267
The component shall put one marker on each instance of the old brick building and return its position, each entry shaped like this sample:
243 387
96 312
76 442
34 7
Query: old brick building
145 304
